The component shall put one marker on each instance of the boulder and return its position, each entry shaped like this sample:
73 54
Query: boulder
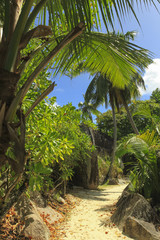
135 217
134 205
36 228
24 206
86 173
51 216
33 212
93 177
37 198
140 230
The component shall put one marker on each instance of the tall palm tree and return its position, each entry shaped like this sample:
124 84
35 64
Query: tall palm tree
61 40
101 90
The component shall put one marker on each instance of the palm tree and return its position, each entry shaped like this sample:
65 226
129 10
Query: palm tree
131 92
101 90
62 41
87 110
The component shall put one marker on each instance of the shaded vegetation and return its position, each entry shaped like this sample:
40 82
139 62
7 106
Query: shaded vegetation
140 153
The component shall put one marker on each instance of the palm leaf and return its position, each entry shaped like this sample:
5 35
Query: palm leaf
110 54
134 145
89 11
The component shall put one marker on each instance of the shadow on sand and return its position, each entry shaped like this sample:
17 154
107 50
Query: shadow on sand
98 195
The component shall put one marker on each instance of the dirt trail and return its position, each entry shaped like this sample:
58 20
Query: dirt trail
89 220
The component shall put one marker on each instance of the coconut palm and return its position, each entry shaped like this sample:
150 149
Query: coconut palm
60 42
87 110
101 90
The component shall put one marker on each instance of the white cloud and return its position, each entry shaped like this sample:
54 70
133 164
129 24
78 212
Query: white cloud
152 77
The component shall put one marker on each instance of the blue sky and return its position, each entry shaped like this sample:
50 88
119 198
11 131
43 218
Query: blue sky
148 36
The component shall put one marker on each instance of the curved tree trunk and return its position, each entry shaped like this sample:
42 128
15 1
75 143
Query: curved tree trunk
130 117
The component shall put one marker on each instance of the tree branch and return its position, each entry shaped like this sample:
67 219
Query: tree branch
40 31
67 39
40 98
23 91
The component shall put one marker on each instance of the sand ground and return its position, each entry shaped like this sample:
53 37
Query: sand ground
90 219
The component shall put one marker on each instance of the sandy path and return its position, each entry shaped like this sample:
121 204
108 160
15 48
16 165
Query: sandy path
89 220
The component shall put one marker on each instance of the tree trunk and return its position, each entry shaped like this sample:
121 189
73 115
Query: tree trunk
8 85
94 175
1 32
92 135
130 117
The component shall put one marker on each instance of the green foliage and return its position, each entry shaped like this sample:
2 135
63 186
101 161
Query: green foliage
87 110
155 95
49 139
112 55
148 111
105 124
145 175
103 167
55 143
146 115
141 152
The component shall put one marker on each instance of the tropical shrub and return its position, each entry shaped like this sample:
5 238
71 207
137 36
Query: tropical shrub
145 172
55 143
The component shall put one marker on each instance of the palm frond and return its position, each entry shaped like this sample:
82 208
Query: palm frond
145 175
110 54
134 145
88 109
150 138
69 13
97 90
